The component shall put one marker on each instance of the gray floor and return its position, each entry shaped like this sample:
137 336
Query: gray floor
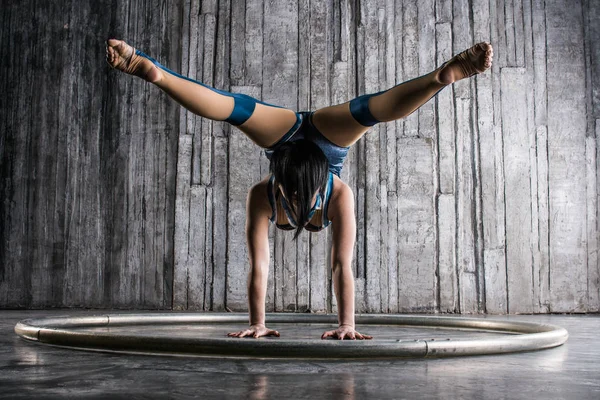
30 370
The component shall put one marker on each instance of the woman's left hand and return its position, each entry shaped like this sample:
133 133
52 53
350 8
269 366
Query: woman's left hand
345 332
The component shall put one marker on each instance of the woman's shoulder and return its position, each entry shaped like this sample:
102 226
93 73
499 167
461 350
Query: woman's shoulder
341 200
258 194
340 189
264 182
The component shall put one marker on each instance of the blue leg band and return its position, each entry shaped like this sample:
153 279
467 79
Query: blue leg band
242 110
359 108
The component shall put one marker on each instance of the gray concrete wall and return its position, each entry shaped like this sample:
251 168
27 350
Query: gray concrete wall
87 158
485 200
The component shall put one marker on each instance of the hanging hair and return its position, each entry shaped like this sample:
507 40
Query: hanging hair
301 168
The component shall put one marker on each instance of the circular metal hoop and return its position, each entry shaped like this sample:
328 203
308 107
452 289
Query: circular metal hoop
70 332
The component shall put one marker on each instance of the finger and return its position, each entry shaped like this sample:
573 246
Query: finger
359 336
273 333
245 333
368 337
233 334
328 334
352 336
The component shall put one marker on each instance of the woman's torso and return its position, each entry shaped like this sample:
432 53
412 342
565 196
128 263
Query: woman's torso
307 130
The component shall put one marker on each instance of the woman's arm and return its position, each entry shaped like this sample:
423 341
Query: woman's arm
257 238
342 250
344 233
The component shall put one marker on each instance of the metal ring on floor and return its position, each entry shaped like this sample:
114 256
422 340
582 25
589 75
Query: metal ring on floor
63 331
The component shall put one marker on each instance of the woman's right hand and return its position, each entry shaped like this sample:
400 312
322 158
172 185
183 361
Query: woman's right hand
255 331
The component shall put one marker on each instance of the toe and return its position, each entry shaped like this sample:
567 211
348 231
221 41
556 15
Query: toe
487 51
113 42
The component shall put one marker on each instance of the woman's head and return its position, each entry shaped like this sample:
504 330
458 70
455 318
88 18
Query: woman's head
301 170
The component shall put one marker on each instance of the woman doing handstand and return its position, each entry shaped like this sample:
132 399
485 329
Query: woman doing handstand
306 152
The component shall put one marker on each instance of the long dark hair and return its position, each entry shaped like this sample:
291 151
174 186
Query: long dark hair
301 168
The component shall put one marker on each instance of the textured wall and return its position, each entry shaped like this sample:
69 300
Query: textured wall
87 158
485 200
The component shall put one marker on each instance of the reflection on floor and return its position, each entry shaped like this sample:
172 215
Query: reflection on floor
570 371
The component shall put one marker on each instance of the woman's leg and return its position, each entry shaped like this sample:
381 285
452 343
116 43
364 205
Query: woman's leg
264 123
345 123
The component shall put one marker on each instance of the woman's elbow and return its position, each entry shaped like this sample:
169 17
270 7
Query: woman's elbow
341 265
259 267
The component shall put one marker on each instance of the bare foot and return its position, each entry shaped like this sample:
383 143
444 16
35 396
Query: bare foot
122 57
472 61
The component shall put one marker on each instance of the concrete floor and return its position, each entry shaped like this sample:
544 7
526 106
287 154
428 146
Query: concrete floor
30 370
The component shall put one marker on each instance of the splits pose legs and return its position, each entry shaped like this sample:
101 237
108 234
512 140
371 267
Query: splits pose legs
266 124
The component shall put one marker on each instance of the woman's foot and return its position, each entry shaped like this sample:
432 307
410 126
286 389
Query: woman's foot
122 56
473 61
